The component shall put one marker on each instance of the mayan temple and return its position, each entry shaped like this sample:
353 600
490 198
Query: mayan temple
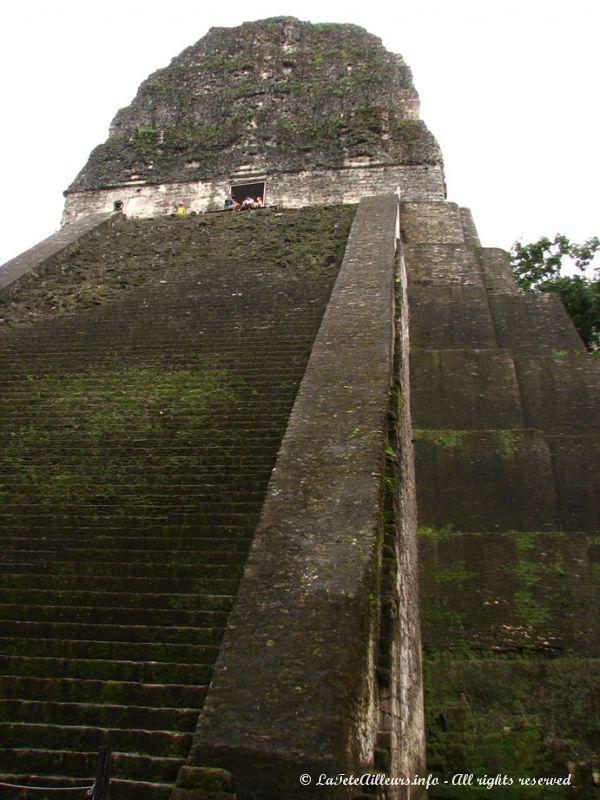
298 501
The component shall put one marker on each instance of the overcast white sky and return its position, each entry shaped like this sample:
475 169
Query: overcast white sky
510 89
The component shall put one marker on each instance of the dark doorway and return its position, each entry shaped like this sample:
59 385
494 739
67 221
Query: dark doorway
243 190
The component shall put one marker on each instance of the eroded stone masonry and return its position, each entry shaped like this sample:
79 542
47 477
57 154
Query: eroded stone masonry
304 490
320 113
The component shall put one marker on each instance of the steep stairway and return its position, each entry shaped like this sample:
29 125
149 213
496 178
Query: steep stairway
146 384
506 415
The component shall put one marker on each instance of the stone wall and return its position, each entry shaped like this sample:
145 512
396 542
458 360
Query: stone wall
290 190
322 112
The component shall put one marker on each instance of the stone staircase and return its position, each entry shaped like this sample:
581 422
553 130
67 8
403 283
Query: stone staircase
146 385
506 415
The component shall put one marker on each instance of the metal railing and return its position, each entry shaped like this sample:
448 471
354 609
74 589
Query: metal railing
98 790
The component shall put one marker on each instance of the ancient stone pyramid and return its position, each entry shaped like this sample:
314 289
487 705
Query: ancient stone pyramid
262 471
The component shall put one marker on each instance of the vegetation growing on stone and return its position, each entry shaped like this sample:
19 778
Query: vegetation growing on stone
311 240
148 375
280 93
540 267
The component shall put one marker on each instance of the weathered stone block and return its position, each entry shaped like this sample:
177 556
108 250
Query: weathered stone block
508 592
440 264
464 389
520 717
576 461
469 229
561 393
443 317
496 271
431 223
207 778
534 323
484 480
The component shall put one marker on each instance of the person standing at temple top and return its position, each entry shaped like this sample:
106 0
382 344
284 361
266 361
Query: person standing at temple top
180 210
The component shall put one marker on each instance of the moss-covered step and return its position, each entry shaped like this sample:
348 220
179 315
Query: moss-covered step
73 690
522 717
109 600
508 593
484 480
162 616
81 764
117 651
110 632
111 546
107 715
78 737
57 555
128 569
106 669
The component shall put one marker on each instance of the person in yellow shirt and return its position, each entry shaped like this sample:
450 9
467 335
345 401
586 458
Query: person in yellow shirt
180 210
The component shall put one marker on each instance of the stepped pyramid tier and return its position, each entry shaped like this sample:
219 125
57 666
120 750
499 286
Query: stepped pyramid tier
319 113
234 446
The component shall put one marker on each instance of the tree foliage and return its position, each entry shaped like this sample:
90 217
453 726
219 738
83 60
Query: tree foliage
540 267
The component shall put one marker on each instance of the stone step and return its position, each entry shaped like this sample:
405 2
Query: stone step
155 743
561 392
168 634
160 616
80 764
534 324
172 571
117 651
106 670
461 313
127 526
202 344
127 493
200 585
211 546
114 512
128 693
111 600
462 389
494 480
167 557
120 789
102 715
174 535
